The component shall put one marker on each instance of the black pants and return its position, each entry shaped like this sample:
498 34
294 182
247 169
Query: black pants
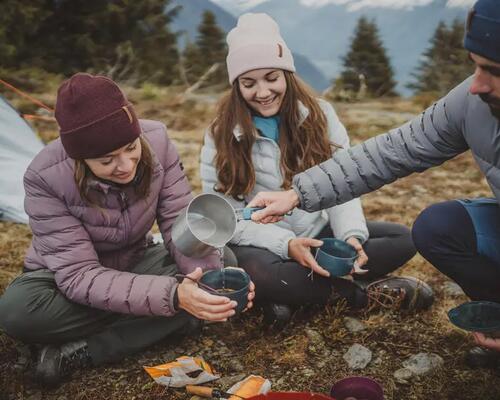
287 282
445 235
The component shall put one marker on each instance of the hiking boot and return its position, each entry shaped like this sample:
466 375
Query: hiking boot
57 362
480 357
276 316
399 292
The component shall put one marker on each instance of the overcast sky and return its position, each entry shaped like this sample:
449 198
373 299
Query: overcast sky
352 5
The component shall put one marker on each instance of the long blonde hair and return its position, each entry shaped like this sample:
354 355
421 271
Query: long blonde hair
302 145
83 174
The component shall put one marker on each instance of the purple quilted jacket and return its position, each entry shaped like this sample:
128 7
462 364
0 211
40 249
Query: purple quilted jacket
91 250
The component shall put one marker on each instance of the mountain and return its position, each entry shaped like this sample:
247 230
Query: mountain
188 19
190 16
323 33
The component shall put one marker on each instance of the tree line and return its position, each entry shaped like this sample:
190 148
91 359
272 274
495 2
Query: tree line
124 39
133 41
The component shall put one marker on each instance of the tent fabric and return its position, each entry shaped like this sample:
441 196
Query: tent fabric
18 146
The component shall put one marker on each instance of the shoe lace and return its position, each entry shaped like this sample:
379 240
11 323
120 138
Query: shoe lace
385 297
78 358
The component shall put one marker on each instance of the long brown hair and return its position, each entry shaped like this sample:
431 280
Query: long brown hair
302 145
83 174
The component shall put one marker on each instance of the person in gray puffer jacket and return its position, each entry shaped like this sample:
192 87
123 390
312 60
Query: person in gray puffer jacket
266 129
461 238
95 288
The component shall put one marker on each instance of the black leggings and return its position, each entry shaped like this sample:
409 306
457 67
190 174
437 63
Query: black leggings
287 282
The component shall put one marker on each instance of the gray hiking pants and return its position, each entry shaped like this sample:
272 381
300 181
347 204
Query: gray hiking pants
33 310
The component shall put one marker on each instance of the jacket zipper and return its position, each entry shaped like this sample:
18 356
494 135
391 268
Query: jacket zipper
124 208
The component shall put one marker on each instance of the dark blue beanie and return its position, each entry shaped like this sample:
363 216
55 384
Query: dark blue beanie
482 31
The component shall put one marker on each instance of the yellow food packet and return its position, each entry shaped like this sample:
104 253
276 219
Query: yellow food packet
183 371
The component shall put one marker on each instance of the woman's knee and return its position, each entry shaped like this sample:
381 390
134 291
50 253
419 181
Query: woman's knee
404 242
437 222
13 316
391 241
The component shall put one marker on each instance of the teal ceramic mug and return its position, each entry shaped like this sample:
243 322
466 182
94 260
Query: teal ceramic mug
336 256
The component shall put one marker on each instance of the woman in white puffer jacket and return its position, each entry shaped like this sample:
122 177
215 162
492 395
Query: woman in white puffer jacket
268 128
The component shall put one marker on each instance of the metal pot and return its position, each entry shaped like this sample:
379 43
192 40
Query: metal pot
208 222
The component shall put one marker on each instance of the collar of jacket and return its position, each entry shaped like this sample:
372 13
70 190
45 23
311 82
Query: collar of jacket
303 110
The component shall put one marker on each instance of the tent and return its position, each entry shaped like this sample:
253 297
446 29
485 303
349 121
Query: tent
18 145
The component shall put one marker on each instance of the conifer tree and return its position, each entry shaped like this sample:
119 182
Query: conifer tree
192 63
367 62
94 35
211 46
445 63
210 39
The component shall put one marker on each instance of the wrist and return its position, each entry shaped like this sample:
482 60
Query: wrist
176 299
294 197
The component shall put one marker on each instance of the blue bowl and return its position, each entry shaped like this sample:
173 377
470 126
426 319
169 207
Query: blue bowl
229 282
336 256
477 316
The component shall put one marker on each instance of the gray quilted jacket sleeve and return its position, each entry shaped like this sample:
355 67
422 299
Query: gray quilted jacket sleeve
428 140
346 219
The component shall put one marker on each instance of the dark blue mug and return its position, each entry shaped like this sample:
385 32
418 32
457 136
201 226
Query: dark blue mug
336 256
230 282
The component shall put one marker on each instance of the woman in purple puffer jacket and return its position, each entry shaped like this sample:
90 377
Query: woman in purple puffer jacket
95 288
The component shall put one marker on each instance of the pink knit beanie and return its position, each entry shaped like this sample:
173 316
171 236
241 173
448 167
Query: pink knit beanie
94 116
256 43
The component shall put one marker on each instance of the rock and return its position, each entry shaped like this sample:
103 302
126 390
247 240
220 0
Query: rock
314 337
354 325
452 289
423 363
279 383
403 375
308 373
358 356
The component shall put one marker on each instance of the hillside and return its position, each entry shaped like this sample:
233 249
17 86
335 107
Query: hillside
308 354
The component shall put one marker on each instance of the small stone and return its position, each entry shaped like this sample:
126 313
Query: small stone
280 382
403 375
308 373
358 356
354 325
423 363
314 337
452 289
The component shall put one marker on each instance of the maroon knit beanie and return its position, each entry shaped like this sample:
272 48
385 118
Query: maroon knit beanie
94 116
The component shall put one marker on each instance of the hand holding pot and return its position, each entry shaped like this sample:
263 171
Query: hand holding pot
300 250
202 304
276 205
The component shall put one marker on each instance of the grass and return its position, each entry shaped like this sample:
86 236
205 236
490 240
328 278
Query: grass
293 359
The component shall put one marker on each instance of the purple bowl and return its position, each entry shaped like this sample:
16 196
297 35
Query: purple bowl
357 388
